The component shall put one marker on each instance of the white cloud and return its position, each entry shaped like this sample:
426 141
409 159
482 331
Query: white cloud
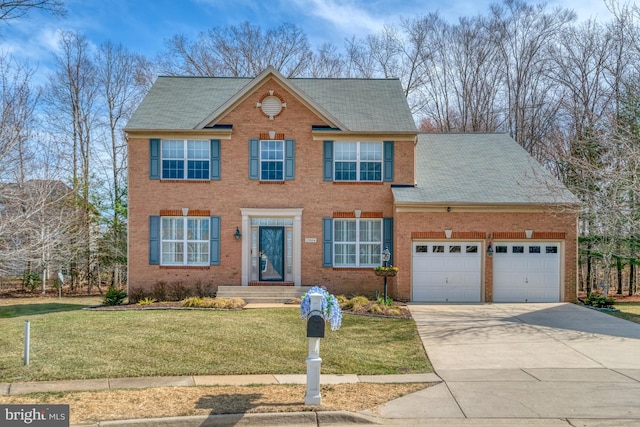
348 17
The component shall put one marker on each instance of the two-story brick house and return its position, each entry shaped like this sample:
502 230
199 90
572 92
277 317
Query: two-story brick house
276 181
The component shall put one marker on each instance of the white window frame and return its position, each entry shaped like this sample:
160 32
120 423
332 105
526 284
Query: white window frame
261 160
358 243
185 159
358 160
186 241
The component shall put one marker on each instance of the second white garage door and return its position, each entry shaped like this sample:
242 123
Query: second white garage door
526 272
446 272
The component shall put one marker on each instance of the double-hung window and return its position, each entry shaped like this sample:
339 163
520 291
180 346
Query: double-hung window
271 160
184 241
185 159
358 161
357 242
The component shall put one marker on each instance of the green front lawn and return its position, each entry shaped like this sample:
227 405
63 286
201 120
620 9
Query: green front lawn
70 343
628 311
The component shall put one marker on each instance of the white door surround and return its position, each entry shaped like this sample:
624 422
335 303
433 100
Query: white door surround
293 213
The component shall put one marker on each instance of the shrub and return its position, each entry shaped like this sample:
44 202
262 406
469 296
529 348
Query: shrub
178 291
146 301
159 291
136 295
207 302
342 299
30 280
393 312
375 309
359 301
203 289
236 303
388 302
599 301
192 302
114 296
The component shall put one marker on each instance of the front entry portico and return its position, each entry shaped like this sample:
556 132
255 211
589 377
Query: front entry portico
271 245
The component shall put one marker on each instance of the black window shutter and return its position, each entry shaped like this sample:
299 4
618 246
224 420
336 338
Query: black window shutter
154 240
154 159
328 160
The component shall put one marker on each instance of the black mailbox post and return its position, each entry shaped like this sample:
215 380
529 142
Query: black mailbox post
315 326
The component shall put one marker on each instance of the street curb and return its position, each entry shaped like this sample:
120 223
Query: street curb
264 419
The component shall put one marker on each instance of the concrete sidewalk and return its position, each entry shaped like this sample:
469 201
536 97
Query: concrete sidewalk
19 388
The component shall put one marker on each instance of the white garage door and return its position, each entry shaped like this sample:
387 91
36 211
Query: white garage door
526 272
446 272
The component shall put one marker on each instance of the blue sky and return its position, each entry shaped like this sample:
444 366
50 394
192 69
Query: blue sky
143 25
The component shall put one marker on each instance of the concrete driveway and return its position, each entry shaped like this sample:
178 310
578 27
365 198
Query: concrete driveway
554 361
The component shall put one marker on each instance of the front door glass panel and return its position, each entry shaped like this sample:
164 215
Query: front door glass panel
271 254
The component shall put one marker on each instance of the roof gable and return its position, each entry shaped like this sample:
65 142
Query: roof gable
250 87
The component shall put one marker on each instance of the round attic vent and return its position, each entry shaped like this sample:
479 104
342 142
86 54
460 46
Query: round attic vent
271 105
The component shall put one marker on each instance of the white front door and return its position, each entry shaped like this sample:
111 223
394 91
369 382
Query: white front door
526 272
446 272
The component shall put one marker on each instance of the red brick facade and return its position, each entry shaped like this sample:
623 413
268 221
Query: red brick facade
318 199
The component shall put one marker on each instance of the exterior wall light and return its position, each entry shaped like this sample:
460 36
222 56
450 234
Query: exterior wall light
385 256
237 234
489 251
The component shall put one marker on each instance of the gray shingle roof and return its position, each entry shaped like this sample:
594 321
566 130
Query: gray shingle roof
483 169
375 105
183 102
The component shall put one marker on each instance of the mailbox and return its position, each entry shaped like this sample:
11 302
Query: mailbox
315 326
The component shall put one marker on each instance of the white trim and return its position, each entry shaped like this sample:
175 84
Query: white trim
185 159
296 214
261 160
403 207
358 160
357 242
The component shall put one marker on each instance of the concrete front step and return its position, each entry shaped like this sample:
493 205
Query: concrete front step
262 294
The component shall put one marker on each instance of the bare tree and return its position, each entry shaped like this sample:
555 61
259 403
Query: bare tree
120 91
238 51
327 62
70 96
522 34
17 103
14 9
